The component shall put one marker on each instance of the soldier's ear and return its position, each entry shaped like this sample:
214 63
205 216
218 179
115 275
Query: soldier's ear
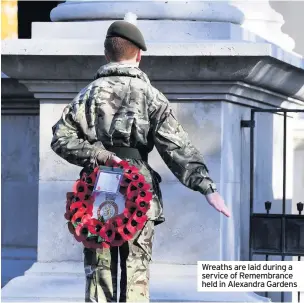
138 57
107 56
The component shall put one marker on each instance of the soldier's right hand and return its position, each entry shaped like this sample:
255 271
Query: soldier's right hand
113 160
216 201
116 159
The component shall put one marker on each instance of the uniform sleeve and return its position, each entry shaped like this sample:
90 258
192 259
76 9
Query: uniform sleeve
175 148
72 139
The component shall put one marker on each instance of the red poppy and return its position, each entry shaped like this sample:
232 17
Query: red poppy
143 201
131 194
80 187
78 215
142 186
77 205
107 232
89 208
92 229
85 195
121 219
130 209
85 219
139 217
91 178
137 177
131 226
138 224
126 216
81 196
122 164
125 234
94 226
82 204
90 200
142 204
145 196
134 187
125 181
128 175
139 195
131 170
117 220
79 235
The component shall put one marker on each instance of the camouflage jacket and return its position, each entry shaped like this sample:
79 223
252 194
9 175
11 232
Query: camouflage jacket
122 108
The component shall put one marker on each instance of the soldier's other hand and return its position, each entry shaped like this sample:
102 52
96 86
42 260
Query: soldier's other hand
216 201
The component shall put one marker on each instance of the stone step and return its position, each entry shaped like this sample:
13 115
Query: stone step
13 268
58 282
15 261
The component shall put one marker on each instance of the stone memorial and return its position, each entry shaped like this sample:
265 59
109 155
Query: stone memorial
214 60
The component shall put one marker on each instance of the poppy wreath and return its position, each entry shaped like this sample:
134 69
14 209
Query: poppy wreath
94 233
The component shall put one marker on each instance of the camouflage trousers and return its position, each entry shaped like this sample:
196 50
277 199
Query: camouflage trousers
101 269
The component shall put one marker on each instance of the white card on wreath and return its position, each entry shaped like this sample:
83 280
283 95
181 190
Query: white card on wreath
107 181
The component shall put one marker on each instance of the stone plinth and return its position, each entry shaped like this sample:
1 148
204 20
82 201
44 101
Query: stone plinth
241 20
19 178
211 11
212 87
67 279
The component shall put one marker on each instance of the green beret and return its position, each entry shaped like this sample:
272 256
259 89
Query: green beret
127 31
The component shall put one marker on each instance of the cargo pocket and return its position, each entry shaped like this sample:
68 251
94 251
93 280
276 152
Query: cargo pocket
156 179
153 178
144 240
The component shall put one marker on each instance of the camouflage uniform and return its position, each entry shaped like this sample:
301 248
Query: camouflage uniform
122 108
101 268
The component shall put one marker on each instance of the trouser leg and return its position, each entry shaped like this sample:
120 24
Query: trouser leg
135 256
101 274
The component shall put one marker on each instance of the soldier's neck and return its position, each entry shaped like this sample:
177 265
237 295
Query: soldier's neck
129 62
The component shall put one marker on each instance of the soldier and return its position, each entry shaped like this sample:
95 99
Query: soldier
120 115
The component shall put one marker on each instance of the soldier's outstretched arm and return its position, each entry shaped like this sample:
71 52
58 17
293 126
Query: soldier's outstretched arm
180 155
73 136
